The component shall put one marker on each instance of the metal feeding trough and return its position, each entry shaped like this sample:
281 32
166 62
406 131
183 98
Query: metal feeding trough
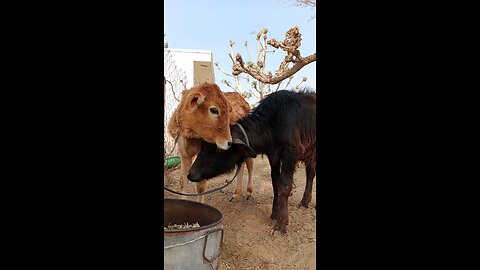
194 248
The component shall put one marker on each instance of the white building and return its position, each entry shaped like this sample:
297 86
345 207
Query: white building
197 64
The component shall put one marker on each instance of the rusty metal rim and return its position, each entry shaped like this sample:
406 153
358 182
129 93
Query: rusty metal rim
201 227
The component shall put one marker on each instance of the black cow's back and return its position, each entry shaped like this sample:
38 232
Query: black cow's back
285 116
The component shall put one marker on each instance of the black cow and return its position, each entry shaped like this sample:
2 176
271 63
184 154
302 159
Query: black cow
283 127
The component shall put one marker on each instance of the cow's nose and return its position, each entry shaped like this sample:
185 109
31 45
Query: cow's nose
229 143
224 145
192 177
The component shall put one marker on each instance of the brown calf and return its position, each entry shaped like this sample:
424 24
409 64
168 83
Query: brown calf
206 113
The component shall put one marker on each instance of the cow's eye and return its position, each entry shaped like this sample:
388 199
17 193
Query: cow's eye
213 110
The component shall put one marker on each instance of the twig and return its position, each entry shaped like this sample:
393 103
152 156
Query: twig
231 57
296 87
248 52
229 85
288 83
254 94
239 85
304 79
278 86
219 68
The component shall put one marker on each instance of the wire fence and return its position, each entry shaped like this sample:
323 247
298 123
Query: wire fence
175 82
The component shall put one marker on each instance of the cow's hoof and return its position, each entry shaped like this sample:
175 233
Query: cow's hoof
281 228
277 233
235 198
304 204
249 197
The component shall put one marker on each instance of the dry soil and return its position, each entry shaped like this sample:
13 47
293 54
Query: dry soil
249 243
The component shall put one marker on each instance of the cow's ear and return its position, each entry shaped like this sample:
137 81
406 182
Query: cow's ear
195 100
249 152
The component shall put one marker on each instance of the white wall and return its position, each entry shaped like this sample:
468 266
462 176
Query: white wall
184 59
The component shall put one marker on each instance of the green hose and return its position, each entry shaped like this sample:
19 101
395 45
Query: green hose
171 162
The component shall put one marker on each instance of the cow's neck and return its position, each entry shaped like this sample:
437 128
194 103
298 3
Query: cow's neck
255 130
184 131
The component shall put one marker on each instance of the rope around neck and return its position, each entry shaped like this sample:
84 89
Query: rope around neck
215 189
244 133
206 192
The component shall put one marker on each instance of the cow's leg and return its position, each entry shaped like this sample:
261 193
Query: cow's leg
275 206
285 181
186 163
275 173
201 187
238 190
188 150
249 162
283 192
307 194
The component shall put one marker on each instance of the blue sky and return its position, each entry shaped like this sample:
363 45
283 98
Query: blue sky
211 24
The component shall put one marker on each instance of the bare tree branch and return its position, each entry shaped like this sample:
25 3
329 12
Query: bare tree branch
231 52
231 57
312 4
239 68
289 81
257 87
239 85
304 79
264 46
245 78
290 45
219 68
254 86
278 86
305 3
248 52
229 85
254 94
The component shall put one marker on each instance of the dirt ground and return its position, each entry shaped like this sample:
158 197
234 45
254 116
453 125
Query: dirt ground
249 243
